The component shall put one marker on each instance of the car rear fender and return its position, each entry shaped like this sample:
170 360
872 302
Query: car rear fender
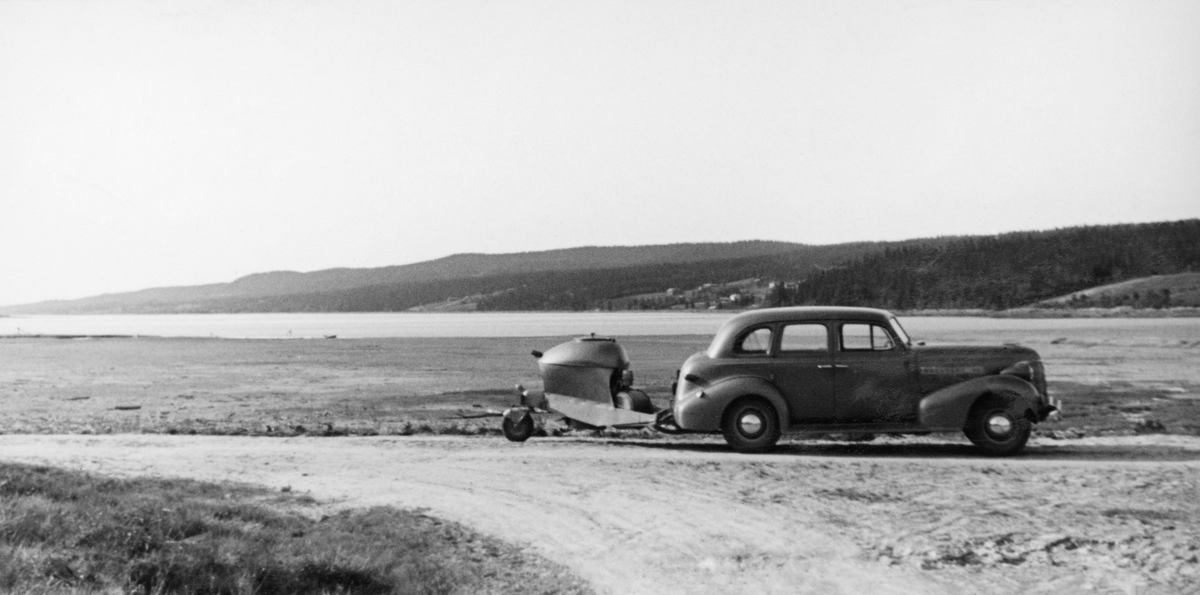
946 409
702 410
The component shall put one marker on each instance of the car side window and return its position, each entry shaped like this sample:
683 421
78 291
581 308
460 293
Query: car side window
804 337
754 342
865 337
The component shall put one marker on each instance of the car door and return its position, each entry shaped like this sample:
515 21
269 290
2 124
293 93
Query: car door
803 370
874 376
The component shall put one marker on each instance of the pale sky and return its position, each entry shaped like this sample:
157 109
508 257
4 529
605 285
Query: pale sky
146 144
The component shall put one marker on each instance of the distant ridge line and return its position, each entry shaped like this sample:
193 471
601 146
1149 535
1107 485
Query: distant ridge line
995 271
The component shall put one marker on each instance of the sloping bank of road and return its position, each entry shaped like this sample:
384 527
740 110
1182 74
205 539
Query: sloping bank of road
650 517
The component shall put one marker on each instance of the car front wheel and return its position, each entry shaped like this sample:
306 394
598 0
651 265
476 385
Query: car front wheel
995 430
751 425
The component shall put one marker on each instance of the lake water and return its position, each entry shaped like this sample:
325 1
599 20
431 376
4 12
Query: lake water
528 324
360 325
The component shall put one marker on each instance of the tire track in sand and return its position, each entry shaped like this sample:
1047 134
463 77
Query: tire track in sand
627 520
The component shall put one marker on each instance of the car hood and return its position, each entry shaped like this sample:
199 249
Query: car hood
972 360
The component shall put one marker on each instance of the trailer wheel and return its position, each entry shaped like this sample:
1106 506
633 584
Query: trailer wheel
634 400
751 425
517 425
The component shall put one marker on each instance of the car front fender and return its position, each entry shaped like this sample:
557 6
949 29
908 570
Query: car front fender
946 409
701 410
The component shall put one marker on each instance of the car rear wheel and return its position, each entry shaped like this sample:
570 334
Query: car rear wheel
751 425
995 430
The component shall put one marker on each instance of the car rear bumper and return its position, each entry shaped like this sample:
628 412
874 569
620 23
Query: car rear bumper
1051 410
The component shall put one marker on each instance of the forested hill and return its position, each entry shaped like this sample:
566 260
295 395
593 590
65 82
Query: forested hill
1004 271
1009 270
465 266
264 289
557 279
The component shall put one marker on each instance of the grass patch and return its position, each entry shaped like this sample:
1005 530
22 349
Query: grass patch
1145 515
71 532
864 496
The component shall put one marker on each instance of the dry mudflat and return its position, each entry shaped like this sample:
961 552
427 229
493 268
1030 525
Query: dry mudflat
1107 500
1116 377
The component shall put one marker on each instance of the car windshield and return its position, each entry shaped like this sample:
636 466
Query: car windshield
899 330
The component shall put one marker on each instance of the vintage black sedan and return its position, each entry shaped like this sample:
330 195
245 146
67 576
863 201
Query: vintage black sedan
854 370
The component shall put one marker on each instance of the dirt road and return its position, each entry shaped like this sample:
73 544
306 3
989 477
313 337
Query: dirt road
1115 515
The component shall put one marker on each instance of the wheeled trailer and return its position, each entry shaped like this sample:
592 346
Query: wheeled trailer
588 381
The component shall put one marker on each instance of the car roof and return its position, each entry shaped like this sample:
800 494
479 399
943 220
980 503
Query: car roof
768 315
725 335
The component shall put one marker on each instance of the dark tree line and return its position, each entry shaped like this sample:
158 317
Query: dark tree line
1008 270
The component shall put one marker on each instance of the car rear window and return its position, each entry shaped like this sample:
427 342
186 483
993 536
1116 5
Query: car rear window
755 342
